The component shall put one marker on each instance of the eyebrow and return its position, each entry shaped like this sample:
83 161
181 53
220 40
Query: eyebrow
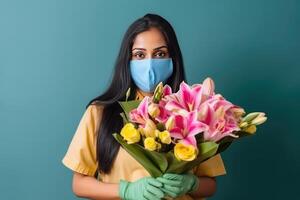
164 46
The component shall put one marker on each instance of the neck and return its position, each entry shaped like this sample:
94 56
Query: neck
144 93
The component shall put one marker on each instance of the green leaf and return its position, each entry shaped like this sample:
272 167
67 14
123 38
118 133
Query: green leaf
155 163
206 150
127 106
125 119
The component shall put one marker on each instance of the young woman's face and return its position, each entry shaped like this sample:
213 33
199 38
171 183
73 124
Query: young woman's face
149 44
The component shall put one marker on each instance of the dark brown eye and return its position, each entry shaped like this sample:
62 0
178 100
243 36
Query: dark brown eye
139 55
160 54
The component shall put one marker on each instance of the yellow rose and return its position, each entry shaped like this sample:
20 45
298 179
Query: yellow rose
150 143
149 129
164 137
130 133
185 152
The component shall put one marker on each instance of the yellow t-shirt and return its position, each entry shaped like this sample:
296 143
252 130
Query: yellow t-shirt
81 154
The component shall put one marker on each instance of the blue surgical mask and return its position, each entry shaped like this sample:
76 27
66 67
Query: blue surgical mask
147 73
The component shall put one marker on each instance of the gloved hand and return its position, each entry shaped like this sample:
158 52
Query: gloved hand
146 188
176 185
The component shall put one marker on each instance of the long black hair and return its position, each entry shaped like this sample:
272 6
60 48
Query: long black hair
107 146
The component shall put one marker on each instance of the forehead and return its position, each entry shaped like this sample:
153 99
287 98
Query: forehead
149 39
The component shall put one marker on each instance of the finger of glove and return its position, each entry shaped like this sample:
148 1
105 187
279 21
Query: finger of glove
155 191
171 176
169 182
190 180
149 196
170 193
176 190
155 182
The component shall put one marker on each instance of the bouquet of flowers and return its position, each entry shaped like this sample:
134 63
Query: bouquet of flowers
174 132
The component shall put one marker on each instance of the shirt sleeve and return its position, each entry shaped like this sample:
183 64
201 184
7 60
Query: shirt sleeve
81 154
212 167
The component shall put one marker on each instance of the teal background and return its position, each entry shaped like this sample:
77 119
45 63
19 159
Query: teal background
56 55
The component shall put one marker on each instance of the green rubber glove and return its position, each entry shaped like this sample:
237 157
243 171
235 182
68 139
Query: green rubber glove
176 185
146 188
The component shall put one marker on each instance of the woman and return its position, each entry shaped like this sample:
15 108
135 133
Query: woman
102 169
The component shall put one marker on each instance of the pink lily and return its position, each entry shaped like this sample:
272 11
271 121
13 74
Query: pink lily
167 90
140 114
189 98
164 114
185 128
219 118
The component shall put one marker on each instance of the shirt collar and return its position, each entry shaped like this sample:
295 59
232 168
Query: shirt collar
139 95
